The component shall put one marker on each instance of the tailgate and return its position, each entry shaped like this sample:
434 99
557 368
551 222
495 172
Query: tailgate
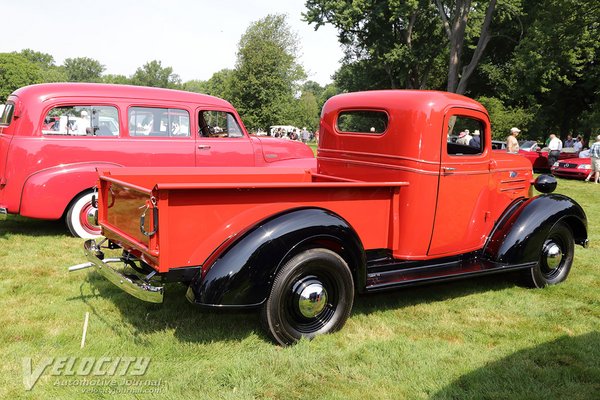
124 212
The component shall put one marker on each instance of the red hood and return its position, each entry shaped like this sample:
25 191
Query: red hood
274 150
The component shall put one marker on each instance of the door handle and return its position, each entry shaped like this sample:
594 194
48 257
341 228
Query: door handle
448 169
204 147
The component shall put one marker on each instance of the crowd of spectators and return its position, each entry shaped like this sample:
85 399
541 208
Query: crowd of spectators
303 135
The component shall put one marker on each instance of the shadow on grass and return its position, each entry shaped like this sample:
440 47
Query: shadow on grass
188 322
566 368
194 324
17 225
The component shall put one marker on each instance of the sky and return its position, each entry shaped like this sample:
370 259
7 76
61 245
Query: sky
195 38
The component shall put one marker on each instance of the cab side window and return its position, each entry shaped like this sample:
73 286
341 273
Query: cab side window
81 120
218 124
465 136
167 122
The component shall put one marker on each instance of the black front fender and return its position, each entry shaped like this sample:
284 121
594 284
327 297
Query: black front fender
242 274
520 233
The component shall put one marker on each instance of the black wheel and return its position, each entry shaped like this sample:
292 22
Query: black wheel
556 258
311 295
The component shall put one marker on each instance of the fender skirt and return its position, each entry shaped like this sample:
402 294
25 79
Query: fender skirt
520 233
241 274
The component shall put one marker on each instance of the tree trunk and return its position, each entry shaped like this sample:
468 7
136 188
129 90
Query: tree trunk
484 38
455 30
456 37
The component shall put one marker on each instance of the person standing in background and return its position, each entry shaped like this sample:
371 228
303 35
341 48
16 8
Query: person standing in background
578 144
595 158
476 141
512 145
554 147
569 142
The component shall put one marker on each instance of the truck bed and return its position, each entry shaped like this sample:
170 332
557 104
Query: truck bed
202 209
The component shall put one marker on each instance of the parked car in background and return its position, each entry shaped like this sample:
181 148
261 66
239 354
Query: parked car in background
529 145
574 168
538 157
498 145
53 137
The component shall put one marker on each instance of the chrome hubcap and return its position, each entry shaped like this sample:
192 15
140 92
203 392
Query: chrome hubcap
554 255
90 216
312 299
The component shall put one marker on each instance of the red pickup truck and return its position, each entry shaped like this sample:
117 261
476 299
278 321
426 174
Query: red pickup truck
53 137
394 202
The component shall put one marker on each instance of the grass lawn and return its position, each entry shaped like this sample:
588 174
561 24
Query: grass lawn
481 338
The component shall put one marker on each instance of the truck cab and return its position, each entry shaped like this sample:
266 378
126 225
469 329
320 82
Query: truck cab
457 191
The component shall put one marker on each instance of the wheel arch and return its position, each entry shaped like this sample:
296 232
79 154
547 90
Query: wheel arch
242 274
520 233
56 188
74 199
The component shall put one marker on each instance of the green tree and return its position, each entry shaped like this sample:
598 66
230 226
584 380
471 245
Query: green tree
505 117
16 71
116 79
387 43
83 69
556 67
154 74
307 111
267 73
218 85
195 85
409 43
43 60
328 91
49 71
455 15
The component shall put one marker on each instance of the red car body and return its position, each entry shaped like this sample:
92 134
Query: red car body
48 168
574 168
394 202
539 158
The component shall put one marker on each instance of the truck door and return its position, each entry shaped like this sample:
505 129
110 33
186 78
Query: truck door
221 141
462 217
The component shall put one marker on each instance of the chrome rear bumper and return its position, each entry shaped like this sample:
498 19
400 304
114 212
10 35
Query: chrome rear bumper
129 283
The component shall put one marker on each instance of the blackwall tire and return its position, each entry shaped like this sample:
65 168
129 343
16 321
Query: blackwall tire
556 258
311 295
78 217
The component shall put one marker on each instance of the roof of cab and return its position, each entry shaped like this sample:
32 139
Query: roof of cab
413 99
53 90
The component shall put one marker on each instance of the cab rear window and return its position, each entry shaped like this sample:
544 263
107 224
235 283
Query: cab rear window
362 121
6 112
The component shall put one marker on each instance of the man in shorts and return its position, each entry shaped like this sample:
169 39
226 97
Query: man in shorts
595 156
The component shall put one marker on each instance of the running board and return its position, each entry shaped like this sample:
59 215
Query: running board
416 275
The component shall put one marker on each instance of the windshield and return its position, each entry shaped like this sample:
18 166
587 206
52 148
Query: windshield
6 112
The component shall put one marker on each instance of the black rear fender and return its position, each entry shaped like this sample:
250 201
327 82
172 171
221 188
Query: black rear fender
243 272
